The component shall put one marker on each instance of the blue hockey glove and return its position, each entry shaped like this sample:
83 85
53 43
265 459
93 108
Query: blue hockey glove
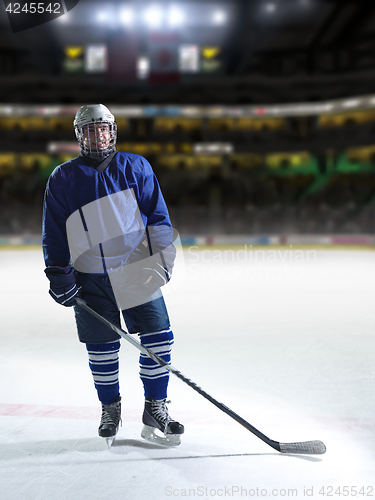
63 288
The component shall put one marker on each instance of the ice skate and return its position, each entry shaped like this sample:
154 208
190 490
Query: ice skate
110 421
159 427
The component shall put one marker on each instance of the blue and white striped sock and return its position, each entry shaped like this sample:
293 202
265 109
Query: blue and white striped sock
104 366
155 378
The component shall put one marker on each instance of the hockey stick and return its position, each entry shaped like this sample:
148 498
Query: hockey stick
305 447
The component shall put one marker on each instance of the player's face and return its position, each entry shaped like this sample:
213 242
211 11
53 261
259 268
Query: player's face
96 136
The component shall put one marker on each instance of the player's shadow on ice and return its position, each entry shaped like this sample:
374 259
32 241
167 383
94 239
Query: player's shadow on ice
126 446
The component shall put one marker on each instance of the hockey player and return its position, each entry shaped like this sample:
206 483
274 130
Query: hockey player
107 238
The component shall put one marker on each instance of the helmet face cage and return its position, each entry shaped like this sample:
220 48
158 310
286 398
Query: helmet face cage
96 130
97 139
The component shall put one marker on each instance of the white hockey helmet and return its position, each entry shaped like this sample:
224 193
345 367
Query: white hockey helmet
96 130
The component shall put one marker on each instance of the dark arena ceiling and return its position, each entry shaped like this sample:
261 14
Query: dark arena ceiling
262 52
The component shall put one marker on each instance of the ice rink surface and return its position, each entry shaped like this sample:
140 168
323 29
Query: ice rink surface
284 337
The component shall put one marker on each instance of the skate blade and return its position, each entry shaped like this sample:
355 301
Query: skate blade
150 434
110 441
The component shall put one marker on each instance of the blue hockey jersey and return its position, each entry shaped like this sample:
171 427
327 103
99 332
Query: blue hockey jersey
97 220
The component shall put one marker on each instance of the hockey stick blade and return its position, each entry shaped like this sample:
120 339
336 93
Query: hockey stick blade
305 447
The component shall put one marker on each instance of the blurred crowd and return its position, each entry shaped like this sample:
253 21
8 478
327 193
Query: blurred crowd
250 203
220 193
224 201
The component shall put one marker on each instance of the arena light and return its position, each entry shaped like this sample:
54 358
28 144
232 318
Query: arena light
102 16
63 148
219 17
153 16
127 16
175 16
213 148
190 111
65 18
6 110
270 8
351 103
143 67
